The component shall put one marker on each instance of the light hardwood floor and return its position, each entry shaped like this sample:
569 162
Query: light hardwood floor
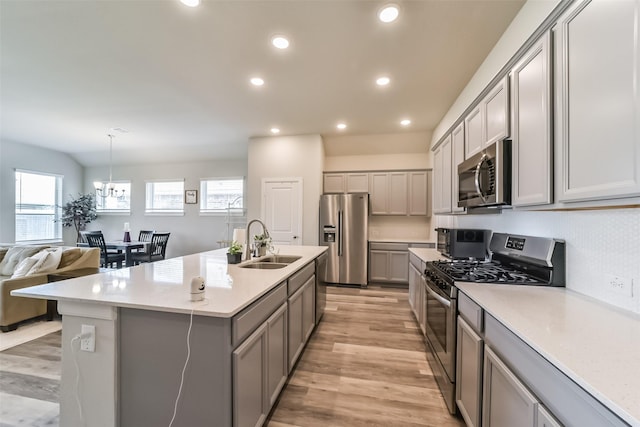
365 365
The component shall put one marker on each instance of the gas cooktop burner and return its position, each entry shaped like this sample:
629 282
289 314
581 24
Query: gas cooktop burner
482 272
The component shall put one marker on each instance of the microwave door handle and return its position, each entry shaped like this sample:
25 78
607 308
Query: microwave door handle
477 178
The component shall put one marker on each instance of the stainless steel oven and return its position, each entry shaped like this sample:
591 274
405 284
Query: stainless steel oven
441 311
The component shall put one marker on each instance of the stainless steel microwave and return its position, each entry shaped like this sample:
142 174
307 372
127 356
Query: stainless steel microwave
485 178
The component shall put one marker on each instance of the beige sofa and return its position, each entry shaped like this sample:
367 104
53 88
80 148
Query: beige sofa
22 266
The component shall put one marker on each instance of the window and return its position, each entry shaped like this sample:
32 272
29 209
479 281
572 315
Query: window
222 195
165 197
118 202
38 200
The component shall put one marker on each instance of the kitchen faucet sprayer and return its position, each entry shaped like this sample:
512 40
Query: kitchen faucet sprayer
247 250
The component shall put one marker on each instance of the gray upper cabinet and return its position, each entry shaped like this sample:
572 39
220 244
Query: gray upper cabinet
473 132
357 182
598 101
457 157
418 194
343 182
334 182
442 179
531 126
489 120
388 193
495 113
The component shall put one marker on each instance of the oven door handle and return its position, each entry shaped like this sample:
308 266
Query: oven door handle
440 299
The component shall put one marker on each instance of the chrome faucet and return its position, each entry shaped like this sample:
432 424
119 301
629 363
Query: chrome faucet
247 250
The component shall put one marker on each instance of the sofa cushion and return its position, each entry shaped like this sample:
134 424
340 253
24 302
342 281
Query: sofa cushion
14 255
23 267
3 251
44 261
69 256
47 263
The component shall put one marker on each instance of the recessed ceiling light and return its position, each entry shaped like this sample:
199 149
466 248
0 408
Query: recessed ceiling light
383 81
275 130
257 81
190 3
405 122
341 126
280 42
388 13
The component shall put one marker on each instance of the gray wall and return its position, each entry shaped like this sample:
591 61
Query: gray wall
29 157
300 156
190 233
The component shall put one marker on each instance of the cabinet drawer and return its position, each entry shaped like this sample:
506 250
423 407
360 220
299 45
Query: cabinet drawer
416 262
381 246
566 400
245 322
299 279
471 312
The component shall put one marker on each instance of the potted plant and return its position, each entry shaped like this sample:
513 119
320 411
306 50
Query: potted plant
234 254
78 213
261 243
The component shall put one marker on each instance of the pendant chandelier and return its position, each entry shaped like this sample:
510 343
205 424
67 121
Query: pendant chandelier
105 190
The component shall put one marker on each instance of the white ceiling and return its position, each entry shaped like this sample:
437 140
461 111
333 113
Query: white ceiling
177 78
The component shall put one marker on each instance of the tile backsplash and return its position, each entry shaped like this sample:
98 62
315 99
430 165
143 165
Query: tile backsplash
599 243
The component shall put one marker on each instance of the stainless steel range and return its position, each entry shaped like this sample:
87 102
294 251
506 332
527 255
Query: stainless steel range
515 260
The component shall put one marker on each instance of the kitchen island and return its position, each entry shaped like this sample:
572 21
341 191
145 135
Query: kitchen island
244 339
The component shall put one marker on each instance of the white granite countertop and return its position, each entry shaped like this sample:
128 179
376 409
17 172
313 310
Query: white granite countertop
165 285
594 344
427 254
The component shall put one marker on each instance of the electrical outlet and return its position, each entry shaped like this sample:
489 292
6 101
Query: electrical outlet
619 285
88 344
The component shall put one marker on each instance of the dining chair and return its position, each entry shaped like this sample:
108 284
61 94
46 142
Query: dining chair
145 235
84 234
157 249
107 259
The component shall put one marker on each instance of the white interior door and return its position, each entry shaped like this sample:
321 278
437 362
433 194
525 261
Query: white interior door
282 209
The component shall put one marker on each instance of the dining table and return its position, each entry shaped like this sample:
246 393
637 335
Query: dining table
127 247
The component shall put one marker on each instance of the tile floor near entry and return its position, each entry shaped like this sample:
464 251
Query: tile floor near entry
365 365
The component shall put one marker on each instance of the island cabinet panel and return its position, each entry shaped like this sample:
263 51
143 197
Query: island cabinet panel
251 317
152 352
249 380
597 100
301 319
260 371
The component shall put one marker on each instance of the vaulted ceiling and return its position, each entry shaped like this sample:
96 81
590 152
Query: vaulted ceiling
177 78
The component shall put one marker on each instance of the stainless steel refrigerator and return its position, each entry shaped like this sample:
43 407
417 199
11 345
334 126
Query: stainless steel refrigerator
344 220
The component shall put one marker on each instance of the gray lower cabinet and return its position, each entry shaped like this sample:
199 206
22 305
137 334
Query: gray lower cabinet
260 370
469 373
388 262
301 319
506 401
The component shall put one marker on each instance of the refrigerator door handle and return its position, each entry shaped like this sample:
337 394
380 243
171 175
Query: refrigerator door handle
340 233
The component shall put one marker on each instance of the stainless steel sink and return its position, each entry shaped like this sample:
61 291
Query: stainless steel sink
264 265
280 259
